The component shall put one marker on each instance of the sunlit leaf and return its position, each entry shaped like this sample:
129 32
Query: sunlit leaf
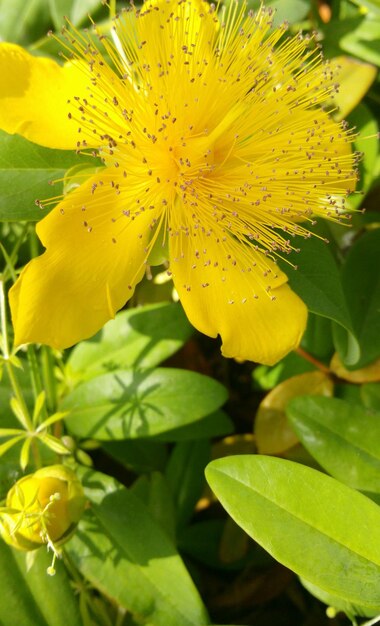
319 528
128 404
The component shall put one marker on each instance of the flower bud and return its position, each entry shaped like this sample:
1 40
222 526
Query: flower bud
42 508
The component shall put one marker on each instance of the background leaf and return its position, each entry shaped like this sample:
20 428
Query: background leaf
124 552
75 10
139 337
31 597
25 172
361 284
344 438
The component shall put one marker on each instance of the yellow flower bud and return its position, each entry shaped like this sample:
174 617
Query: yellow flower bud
42 508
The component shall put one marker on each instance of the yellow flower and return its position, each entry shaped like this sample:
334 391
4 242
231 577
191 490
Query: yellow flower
215 147
42 508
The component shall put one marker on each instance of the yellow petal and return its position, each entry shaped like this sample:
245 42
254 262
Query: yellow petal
96 247
34 94
257 315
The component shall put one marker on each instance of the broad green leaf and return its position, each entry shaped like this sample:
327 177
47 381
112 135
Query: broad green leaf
354 78
185 476
31 597
26 170
273 433
361 284
318 284
127 404
319 528
75 10
155 493
125 554
370 394
344 438
138 338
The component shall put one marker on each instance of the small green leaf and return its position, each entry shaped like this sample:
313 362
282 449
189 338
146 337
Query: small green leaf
319 528
344 438
124 553
25 172
24 454
127 404
140 338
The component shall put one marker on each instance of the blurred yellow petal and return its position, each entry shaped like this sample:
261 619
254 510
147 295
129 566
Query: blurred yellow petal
96 248
255 312
34 94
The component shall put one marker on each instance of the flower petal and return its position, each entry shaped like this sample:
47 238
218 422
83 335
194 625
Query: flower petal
33 97
221 296
96 249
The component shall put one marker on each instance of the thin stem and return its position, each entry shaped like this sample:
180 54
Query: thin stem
47 363
373 621
35 374
7 359
308 357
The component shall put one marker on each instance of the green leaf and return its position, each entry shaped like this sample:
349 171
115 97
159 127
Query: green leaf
124 552
217 424
354 78
319 528
127 404
358 36
361 284
154 492
75 10
23 22
31 597
292 11
140 455
317 283
141 337
367 143
337 603
343 437
185 476
266 377
25 172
